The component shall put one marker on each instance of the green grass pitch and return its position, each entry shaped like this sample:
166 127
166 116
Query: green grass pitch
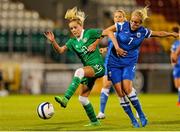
18 113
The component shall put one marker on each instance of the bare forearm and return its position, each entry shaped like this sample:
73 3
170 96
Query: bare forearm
97 41
114 40
57 47
163 34
110 34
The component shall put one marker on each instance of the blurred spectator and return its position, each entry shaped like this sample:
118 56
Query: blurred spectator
33 84
3 91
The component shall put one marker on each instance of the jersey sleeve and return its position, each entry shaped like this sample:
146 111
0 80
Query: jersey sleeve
147 33
95 33
174 46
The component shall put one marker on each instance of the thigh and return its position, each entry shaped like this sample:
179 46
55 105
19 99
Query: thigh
84 91
106 83
88 71
127 86
115 74
89 82
119 90
94 71
128 73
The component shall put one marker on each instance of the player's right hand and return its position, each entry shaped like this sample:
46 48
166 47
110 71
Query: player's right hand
49 35
121 52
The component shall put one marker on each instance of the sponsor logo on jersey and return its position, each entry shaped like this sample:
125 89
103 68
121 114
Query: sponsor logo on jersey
138 34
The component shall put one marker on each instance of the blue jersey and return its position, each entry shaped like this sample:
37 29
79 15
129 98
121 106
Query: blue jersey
129 41
174 46
176 69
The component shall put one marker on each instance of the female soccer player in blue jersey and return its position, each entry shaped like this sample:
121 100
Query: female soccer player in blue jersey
119 16
175 60
92 61
122 65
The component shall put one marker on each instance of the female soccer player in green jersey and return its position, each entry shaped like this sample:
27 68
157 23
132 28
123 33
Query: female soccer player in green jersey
92 61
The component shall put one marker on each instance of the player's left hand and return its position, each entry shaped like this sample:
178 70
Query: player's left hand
121 52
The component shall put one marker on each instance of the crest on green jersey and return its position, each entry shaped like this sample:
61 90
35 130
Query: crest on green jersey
84 40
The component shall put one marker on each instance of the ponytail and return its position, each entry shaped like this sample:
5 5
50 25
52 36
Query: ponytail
142 13
75 15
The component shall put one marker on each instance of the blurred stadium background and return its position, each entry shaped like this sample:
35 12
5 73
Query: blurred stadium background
29 65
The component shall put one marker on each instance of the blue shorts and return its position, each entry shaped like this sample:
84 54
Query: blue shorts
176 72
117 74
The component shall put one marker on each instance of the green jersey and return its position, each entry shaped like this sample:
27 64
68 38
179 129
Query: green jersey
81 47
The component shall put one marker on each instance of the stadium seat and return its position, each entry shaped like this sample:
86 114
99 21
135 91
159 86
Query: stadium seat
3 40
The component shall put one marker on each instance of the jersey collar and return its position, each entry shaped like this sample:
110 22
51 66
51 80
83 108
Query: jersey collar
81 35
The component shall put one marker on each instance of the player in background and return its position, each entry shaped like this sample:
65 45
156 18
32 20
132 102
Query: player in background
175 61
122 65
119 16
92 61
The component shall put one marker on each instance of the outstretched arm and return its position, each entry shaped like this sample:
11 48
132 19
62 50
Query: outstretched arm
110 33
93 46
164 34
50 37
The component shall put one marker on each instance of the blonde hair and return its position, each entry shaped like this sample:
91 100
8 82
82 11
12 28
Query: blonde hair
121 11
75 15
143 13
